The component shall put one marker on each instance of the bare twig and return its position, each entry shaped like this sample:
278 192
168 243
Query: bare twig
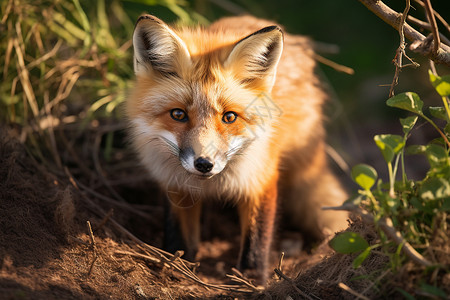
427 26
333 65
388 228
440 18
398 60
433 24
292 283
240 278
280 262
351 291
420 45
94 248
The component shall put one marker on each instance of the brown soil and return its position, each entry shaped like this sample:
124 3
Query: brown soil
46 250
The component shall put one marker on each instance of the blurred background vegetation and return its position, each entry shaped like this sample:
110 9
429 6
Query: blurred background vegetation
69 63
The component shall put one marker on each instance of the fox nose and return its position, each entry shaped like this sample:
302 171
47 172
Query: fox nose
203 165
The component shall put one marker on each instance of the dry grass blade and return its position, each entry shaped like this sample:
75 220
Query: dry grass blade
24 78
351 291
46 56
8 52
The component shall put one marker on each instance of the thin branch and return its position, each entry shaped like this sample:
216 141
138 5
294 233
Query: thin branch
440 18
398 60
433 24
427 26
93 246
332 64
420 43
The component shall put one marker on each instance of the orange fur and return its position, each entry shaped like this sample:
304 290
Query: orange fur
234 66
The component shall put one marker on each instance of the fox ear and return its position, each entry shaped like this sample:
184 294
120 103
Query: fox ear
157 47
255 57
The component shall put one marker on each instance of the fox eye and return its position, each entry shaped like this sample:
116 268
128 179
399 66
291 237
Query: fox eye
229 117
179 115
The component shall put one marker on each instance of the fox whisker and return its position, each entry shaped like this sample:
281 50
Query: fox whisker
174 149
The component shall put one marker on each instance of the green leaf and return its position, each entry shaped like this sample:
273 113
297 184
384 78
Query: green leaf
416 149
348 242
364 175
408 123
433 290
437 155
361 257
408 101
438 112
441 84
445 205
435 188
405 294
389 144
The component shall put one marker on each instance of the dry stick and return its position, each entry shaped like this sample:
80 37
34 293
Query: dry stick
280 262
387 226
332 64
351 291
292 283
433 24
440 18
237 276
427 26
94 248
420 44
400 51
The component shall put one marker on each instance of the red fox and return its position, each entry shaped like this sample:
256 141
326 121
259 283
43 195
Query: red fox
232 112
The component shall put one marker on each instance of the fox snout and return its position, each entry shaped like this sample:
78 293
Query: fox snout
202 165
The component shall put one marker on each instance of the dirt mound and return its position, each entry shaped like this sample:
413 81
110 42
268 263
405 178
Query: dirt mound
47 251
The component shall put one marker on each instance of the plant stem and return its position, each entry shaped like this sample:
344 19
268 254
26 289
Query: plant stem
402 157
444 99
437 128
391 180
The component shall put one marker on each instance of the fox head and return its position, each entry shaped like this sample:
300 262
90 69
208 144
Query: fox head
192 108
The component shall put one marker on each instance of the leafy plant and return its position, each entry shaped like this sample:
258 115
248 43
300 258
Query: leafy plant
66 63
408 213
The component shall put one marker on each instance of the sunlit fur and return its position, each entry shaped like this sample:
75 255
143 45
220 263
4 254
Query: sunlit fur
206 72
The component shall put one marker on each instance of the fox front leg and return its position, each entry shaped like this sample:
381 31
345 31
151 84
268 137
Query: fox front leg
257 222
182 226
